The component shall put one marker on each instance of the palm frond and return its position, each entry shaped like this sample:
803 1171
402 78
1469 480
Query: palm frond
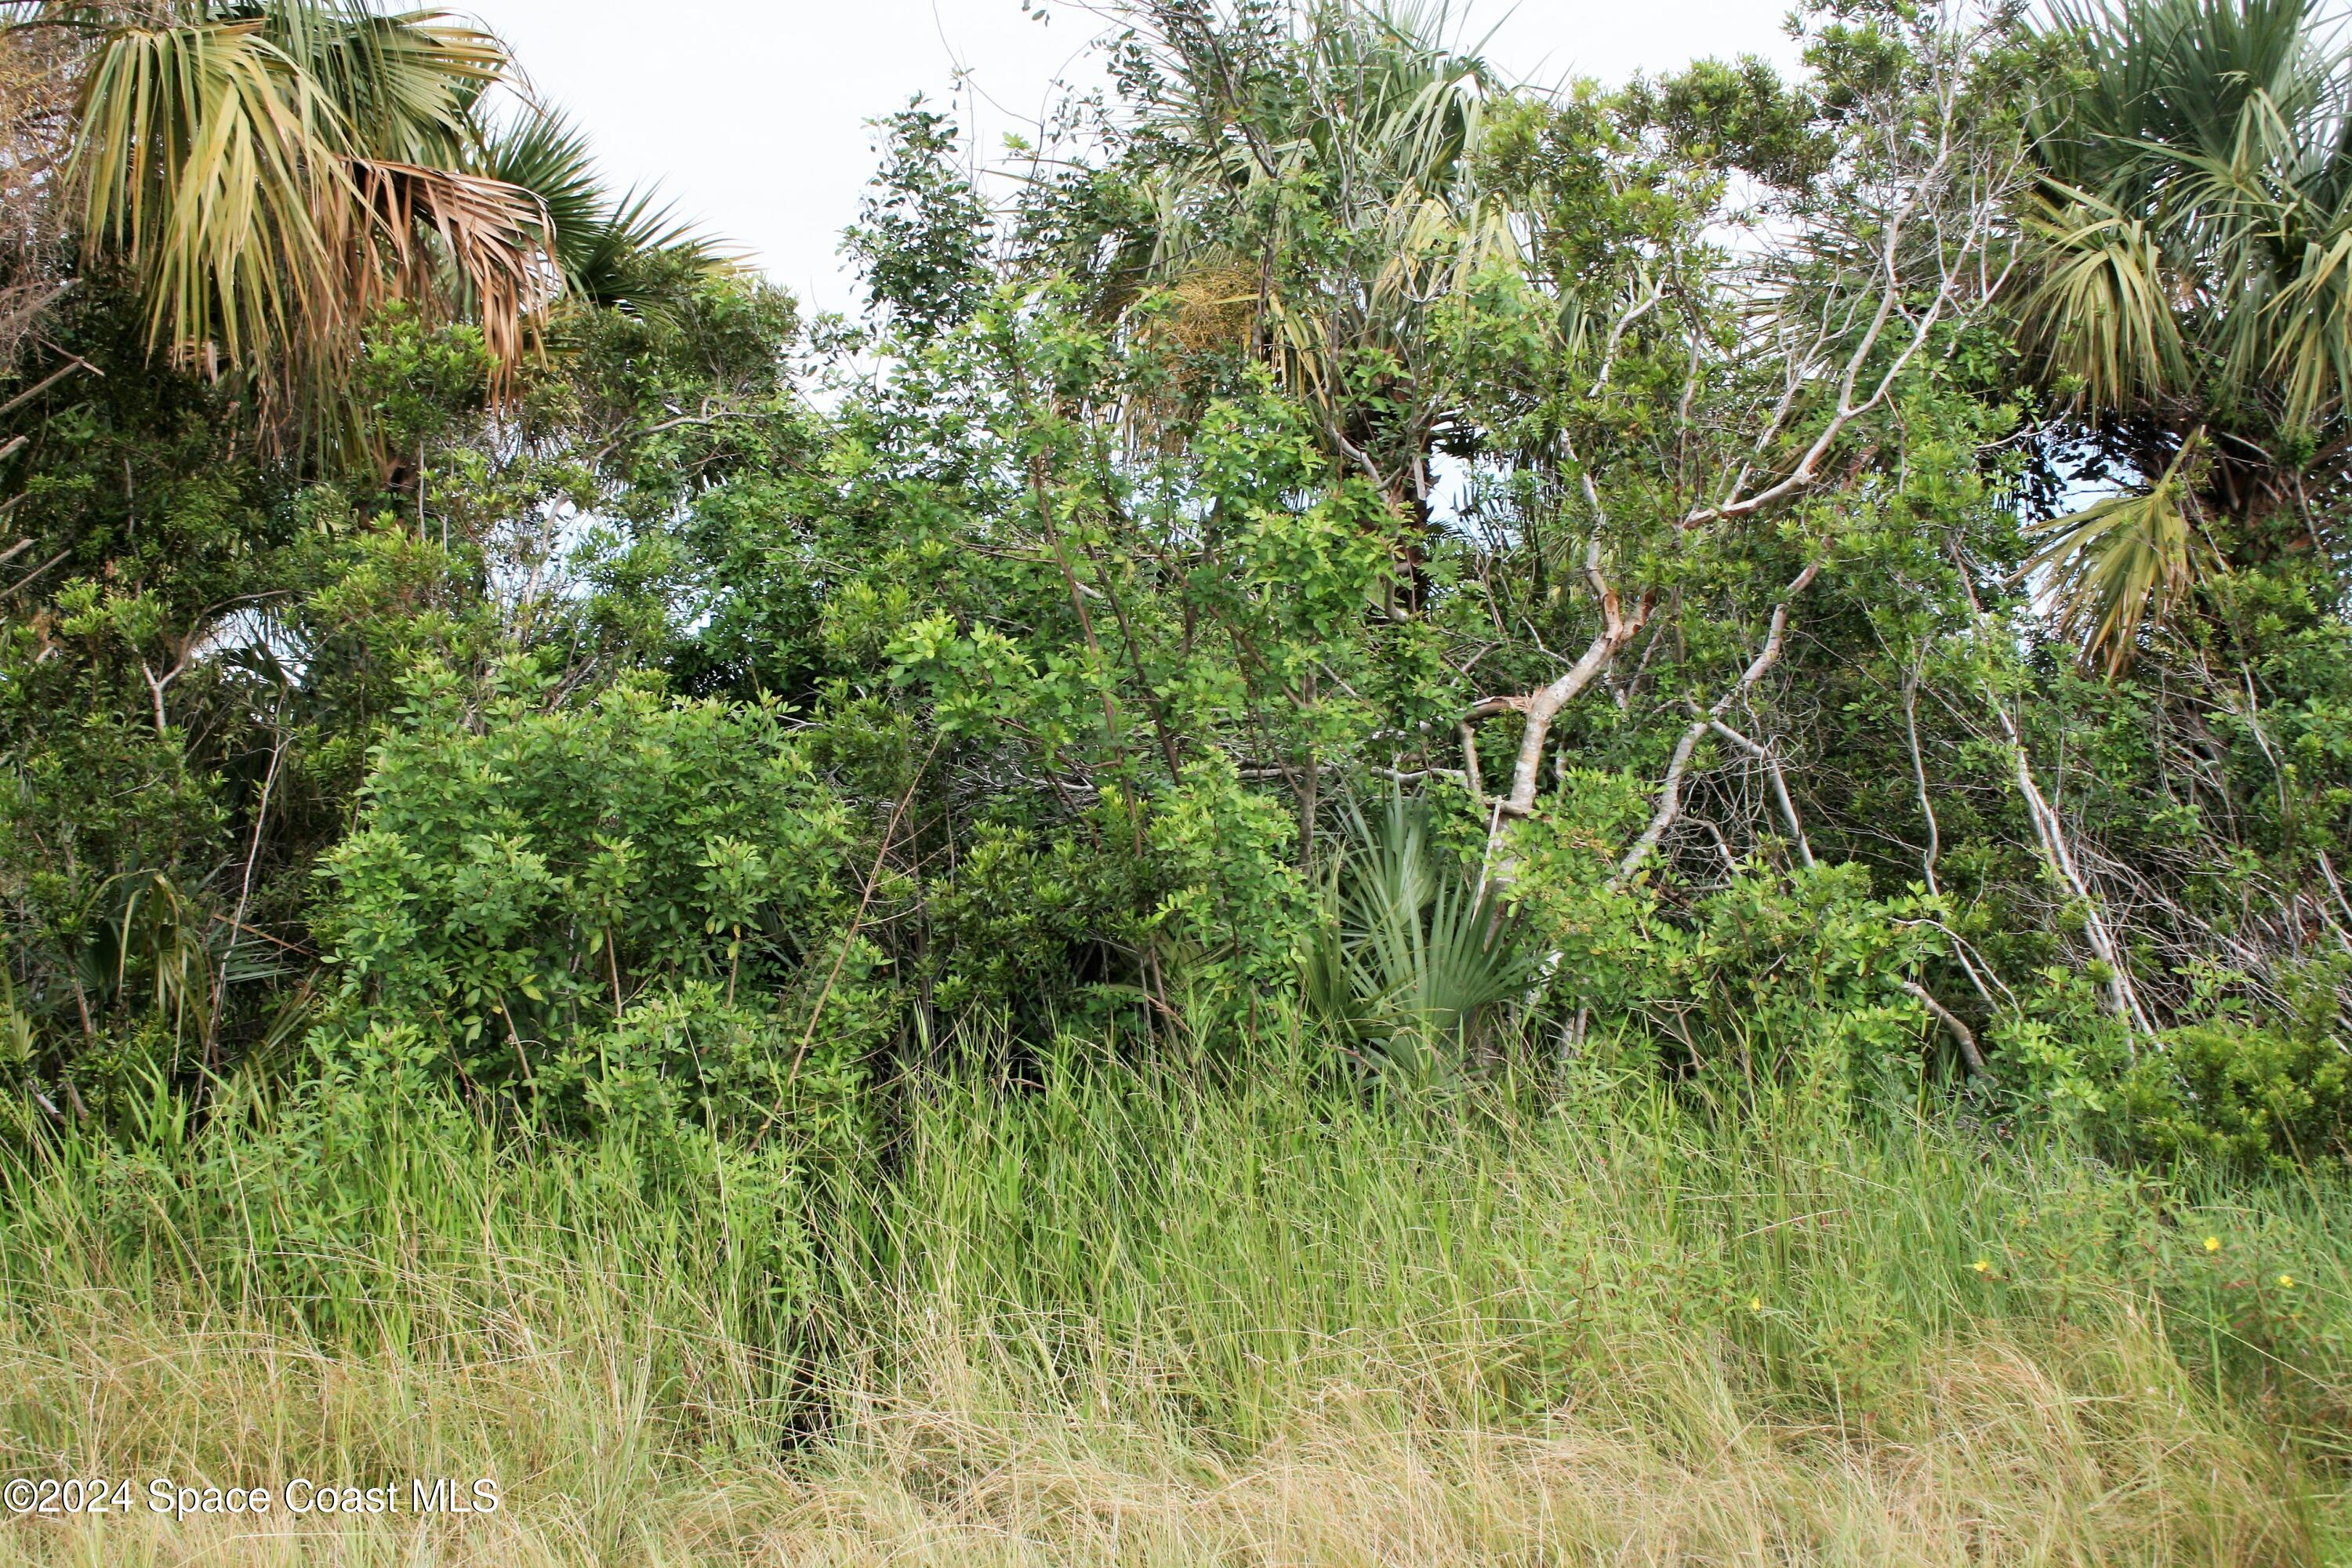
2158 77
1377 154
2114 567
542 152
405 83
597 241
1413 954
2308 325
2100 308
2189 247
2190 171
489 234
273 175
195 159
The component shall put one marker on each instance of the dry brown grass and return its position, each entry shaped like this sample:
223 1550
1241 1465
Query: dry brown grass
2090 1452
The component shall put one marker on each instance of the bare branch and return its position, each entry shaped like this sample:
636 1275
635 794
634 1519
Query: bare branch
1670 792
1962 1036
1771 762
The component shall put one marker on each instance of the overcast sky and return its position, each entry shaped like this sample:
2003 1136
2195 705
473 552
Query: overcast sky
751 116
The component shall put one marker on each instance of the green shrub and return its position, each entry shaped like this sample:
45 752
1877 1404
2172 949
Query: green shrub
627 910
2243 1094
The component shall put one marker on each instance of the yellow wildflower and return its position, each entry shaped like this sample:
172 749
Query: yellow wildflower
2286 1282
2212 1244
1981 1266
1755 1303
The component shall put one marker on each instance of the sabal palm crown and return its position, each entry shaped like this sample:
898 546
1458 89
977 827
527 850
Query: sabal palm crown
1314 190
2190 241
271 171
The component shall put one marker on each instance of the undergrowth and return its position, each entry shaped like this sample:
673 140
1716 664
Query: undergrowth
1119 1315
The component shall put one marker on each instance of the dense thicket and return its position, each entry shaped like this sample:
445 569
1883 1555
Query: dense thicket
1832 578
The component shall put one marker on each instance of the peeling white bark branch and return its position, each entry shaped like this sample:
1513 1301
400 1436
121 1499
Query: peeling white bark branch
1958 199
1543 705
1670 794
1618 625
2123 996
1808 468
1935 845
1470 774
1540 708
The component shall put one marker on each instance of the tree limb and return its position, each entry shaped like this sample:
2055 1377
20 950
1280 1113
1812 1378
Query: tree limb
1670 793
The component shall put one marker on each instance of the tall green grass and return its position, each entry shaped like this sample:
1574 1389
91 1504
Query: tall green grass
1121 1316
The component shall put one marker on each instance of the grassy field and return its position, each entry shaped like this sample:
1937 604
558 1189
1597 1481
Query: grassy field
1111 1318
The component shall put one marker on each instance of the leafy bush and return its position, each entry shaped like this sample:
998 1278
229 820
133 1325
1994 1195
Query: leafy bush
610 910
2246 1093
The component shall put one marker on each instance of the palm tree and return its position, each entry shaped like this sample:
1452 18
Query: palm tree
2190 302
272 171
1315 203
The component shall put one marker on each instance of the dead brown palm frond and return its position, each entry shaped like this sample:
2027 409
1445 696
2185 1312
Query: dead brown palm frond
414 225
1213 308
2123 563
1208 315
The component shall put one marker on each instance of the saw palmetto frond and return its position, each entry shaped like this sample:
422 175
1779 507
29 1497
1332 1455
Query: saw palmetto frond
1412 952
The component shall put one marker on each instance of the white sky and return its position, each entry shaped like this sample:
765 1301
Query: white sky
751 115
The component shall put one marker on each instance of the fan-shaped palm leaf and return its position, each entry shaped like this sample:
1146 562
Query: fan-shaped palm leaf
273 172
544 154
2156 79
196 158
2308 324
2115 566
406 84
1410 955
596 241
